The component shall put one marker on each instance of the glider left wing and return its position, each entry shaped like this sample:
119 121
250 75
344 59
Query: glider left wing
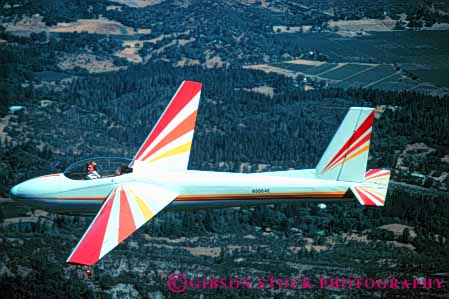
126 209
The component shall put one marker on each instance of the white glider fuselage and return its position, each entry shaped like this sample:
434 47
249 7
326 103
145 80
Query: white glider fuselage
196 189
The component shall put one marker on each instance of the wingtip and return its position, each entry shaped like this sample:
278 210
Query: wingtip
193 83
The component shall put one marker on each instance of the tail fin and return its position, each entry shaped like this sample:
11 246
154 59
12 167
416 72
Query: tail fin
374 190
346 156
168 145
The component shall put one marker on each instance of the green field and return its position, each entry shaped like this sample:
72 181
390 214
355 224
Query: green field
420 54
395 83
371 75
320 69
50 76
439 77
296 67
423 48
345 71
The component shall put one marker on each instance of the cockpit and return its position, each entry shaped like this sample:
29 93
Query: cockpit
105 167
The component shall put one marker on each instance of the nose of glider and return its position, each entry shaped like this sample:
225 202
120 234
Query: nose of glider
14 193
36 190
33 188
21 191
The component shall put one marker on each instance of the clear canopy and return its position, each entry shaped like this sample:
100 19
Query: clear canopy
106 167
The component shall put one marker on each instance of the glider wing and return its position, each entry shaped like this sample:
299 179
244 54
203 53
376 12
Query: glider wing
167 147
126 209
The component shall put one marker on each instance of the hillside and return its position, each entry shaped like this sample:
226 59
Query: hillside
91 79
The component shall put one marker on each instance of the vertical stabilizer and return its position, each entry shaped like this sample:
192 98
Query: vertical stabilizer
346 156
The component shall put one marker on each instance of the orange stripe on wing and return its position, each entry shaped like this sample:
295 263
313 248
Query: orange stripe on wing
126 222
185 126
185 94
370 189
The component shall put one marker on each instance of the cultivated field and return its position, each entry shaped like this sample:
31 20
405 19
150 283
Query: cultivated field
389 60
99 26
346 75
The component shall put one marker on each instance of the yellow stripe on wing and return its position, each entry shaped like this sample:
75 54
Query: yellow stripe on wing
146 211
183 148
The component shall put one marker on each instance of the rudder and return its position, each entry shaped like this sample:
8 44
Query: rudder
346 157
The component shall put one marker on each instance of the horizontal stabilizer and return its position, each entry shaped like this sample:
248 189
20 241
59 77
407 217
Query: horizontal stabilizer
373 191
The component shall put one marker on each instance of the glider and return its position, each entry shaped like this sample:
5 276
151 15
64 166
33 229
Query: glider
129 193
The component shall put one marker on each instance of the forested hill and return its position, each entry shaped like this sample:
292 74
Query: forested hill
111 114
90 78
308 12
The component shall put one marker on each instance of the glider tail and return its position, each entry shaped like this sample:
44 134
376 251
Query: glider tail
373 191
346 156
168 145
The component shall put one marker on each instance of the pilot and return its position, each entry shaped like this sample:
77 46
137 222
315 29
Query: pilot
123 170
92 173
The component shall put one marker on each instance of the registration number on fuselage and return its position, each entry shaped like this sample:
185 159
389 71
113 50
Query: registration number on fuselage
260 190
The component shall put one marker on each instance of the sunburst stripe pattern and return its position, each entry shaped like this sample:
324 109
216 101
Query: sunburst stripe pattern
374 190
173 133
126 209
357 144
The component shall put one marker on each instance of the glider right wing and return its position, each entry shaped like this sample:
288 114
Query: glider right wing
126 209
167 147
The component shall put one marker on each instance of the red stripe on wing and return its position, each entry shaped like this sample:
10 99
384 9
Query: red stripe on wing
89 248
126 222
187 92
185 126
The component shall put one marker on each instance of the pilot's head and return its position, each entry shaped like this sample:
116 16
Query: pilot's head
91 166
